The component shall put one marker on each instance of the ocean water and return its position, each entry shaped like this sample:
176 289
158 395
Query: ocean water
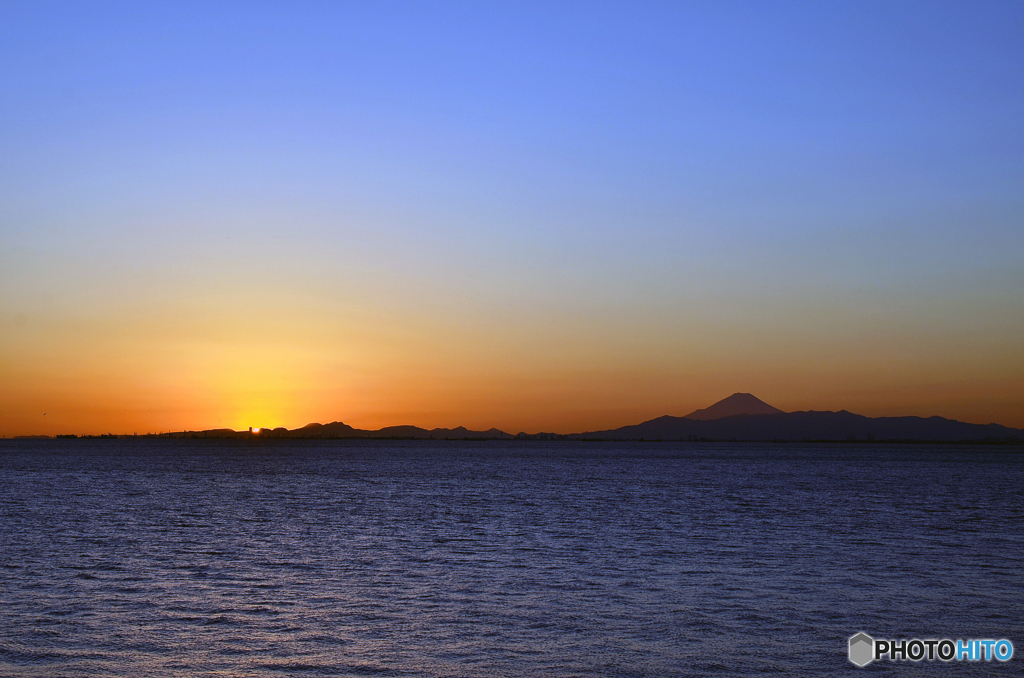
363 558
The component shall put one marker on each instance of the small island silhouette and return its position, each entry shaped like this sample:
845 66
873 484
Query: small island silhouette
741 417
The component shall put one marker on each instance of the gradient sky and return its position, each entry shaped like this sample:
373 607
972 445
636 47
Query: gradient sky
535 216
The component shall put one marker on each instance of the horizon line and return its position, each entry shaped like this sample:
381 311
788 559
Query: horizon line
256 430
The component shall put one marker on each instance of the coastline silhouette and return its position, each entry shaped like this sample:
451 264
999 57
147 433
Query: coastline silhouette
741 417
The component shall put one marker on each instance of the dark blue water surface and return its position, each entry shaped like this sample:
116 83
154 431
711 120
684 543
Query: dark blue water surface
202 557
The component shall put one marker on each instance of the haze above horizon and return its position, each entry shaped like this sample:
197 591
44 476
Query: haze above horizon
513 215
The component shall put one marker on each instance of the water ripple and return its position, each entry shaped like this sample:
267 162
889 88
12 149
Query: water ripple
169 558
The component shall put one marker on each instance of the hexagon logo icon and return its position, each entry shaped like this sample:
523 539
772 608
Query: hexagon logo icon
862 649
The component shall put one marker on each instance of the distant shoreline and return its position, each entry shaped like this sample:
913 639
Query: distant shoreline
740 417
243 437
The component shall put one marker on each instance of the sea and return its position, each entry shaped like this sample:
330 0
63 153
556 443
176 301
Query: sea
150 557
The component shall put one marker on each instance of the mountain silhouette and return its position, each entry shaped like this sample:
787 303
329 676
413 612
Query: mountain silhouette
809 426
740 417
737 403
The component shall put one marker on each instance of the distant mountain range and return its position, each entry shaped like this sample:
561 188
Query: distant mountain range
740 417
743 417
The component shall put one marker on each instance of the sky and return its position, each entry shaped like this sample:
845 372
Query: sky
548 216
